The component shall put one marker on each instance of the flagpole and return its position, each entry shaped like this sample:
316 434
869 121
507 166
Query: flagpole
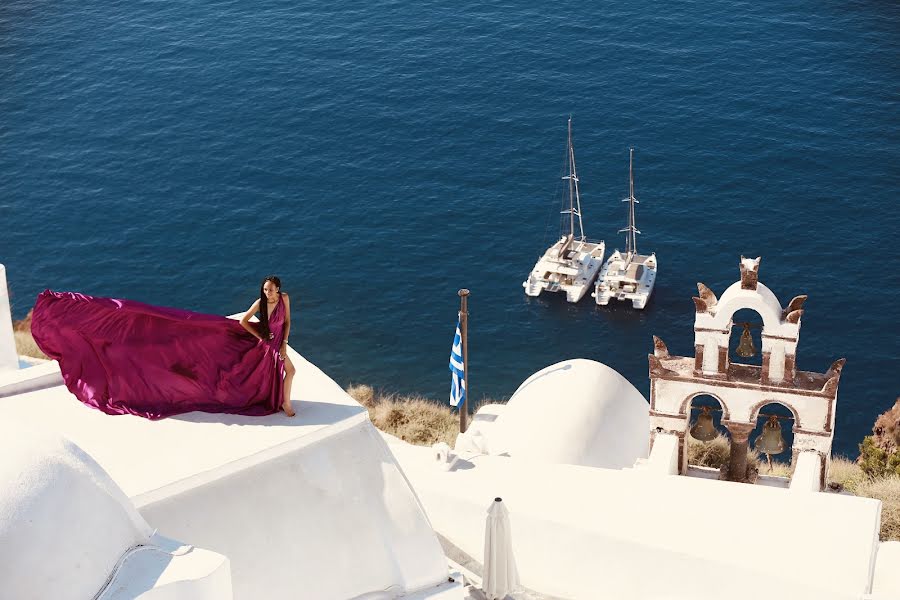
463 329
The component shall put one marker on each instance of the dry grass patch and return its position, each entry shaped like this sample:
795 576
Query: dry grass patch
845 473
850 476
886 489
26 346
713 453
413 419
364 394
779 469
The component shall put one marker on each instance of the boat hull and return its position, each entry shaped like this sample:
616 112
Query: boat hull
620 280
573 274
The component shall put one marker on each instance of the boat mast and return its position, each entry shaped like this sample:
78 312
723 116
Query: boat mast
574 195
632 231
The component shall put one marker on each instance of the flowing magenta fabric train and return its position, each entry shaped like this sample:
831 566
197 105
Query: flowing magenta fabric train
127 357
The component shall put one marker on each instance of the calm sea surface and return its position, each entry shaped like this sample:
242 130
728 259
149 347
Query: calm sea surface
378 156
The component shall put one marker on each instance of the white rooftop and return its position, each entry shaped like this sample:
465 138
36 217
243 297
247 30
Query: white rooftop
58 509
641 536
149 458
316 499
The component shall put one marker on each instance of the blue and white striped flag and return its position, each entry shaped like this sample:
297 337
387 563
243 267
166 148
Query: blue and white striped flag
457 370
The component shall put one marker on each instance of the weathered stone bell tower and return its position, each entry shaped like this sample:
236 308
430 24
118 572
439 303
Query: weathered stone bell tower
742 390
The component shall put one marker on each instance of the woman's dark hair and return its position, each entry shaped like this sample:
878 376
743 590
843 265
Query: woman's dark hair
263 308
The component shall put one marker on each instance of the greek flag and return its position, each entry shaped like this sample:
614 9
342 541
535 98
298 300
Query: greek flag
458 379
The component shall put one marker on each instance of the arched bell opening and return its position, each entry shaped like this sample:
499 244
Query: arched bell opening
708 441
773 438
745 341
705 417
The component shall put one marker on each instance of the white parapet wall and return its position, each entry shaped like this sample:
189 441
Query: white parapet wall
9 358
42 375
663 459
807 473
886 584
582 532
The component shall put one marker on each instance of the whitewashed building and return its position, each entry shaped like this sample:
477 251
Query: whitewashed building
326 507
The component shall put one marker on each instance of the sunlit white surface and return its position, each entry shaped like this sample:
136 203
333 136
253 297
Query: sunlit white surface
318 498
577 412
165 569
640 535
64 523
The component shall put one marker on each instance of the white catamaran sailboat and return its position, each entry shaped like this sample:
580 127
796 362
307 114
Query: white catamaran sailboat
572 263
628 276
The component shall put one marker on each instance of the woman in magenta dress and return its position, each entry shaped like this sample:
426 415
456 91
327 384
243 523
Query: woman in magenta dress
274 308
127 357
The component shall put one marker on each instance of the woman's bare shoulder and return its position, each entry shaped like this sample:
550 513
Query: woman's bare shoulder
251 311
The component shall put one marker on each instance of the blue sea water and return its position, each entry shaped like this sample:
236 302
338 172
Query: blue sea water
379 156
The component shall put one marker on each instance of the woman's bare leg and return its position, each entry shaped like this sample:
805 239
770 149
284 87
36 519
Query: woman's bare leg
289 371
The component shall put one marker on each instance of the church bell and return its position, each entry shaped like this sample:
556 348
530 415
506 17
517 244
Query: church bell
745 348
771 441
703 428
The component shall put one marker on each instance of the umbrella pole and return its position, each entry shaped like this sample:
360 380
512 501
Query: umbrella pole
463 329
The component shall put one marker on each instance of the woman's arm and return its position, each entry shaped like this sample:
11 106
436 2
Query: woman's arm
287 323
245 320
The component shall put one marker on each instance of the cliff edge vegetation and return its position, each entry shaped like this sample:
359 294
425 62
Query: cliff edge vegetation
25 345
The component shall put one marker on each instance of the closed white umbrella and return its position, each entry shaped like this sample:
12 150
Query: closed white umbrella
500 574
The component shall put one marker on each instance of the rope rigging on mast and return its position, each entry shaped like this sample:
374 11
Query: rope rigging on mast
574 194
631 237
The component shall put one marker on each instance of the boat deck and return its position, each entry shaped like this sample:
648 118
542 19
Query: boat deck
573 273
624 279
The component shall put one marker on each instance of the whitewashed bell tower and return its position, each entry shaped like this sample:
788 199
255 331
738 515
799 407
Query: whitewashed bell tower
742 389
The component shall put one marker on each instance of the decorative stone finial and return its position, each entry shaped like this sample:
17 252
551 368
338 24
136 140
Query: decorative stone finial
794 316
707 295
700 304
834 377
796 303
749 273
657 369
836 367
659 348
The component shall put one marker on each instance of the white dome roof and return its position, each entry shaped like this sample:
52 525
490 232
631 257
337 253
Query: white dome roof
575 412
64 523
